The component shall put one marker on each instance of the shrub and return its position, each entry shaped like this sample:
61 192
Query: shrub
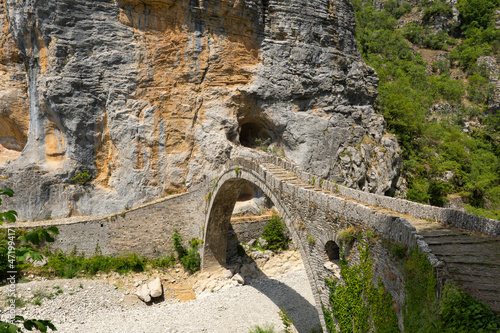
69 266
191 261
438 8
459 312
82 177
396 249
189 258
480 88
347 236
274 234
164 262
455 312
178 247
357 304
397 10
265 329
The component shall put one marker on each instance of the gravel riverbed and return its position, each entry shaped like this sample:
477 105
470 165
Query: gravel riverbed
214 302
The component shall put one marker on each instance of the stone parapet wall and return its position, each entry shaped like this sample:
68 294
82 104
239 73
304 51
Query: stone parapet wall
390 227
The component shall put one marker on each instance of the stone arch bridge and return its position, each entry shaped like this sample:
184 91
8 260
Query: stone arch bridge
462 247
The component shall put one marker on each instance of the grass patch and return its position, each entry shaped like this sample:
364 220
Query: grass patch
347 236
266 329
72 265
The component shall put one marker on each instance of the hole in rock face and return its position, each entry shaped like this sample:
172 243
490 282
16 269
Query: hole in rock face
332 251
252 133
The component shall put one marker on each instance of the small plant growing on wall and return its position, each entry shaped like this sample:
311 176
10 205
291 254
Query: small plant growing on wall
263 145
311 240
237 170
286 320
347 236
82 178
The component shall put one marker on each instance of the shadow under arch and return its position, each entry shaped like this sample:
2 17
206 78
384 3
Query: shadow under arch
222 199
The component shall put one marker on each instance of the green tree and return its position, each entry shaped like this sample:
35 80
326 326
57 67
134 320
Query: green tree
30 241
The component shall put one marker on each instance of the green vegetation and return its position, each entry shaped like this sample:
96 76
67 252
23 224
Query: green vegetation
29 324
82 178
189 257
39 295
11 215
9 253
265 329
274 234
440 159
398 250
72 265
286 320
357 304
454 312
348 235
263 145
360 306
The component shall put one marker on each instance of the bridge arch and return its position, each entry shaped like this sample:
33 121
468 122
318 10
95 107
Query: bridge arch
225 190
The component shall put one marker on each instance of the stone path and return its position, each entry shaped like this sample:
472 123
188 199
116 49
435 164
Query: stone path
472 260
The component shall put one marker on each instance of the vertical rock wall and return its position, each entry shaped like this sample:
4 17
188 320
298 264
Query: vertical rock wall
150 95
14 111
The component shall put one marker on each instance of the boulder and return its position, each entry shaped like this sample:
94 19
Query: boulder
155 288
143 293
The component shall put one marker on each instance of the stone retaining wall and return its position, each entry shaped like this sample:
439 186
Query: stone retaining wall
146 229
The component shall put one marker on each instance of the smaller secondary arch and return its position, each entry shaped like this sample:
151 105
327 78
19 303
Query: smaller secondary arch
332 251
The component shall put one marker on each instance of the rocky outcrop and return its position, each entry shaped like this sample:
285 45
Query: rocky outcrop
493 70
150 95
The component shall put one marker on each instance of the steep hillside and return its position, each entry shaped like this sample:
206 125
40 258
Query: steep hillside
149 96
438 64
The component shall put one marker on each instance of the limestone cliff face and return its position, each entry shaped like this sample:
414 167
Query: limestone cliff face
14 111
150 95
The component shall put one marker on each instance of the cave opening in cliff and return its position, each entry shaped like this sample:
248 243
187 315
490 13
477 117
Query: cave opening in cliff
253 135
